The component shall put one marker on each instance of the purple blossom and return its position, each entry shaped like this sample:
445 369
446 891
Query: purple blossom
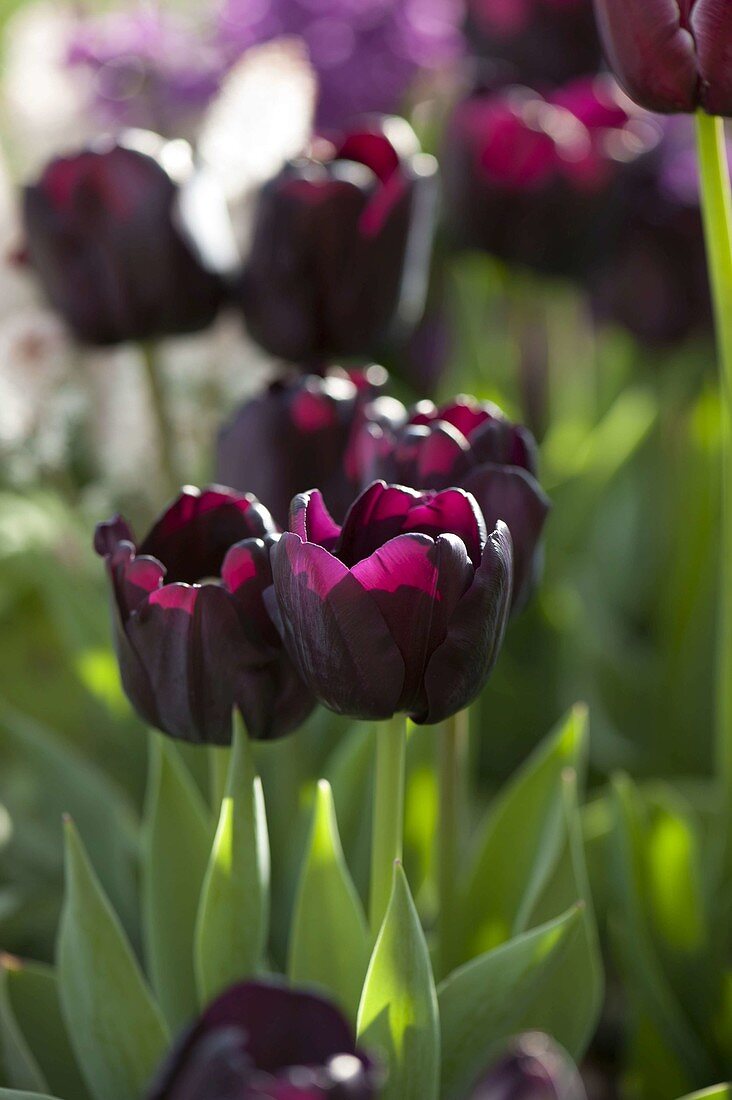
366 52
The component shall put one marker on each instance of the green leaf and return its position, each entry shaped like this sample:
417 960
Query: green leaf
20 1066
716 1092
175 850
116 1029
329 944
12 1094
398 1015
31 995
350 774
233 917
494 996
636 942
521 842
573 1005
68 783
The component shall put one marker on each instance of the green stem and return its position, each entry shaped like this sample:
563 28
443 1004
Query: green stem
161 414
717 214
388 824
452 778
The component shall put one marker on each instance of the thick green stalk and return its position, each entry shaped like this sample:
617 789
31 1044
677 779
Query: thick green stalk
717 213
388 825
161 415
452 740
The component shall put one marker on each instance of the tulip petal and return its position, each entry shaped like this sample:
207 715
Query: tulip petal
511 494
459 668
311 520
384 511
108 535
416 583
711 24
335 632
189 642
651 52
442 457
193 535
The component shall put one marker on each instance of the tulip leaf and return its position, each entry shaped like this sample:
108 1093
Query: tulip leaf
398 1016
233 915
571 1007
521 842
13 1094
492 997
115 1027
176 844
329 944
19 1064
29 995
350 774
636 939
716 1092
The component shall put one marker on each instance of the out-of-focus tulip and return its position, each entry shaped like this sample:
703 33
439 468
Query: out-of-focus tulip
528 176
298 434
670 55
192 633
535 41
339 257
262 1041
127 241
533 1068
471 445
653 278
401 609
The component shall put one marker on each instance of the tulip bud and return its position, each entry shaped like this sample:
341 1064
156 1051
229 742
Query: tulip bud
535 41
474 446
127 242
402 609
298 434
670 55
263 1041
533 1068
528 177
339 258
190 651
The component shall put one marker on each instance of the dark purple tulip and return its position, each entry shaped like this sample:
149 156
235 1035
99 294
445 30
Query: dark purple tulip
116 247
338 262
298 434
670 55
402 609
533 1068
192 635
535 41
471 445
528 176
262 1041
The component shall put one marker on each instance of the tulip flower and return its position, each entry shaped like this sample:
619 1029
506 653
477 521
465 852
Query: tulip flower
191 648
530 178
263 1041
670 55
340 251
533 1068
535 41
471 445
402 609
298 434
119 247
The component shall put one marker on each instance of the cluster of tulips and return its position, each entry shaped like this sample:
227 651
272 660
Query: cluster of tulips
357 554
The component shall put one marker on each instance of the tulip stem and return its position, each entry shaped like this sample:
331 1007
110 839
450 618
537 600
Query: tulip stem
388 824
161 414
716 201
452 777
